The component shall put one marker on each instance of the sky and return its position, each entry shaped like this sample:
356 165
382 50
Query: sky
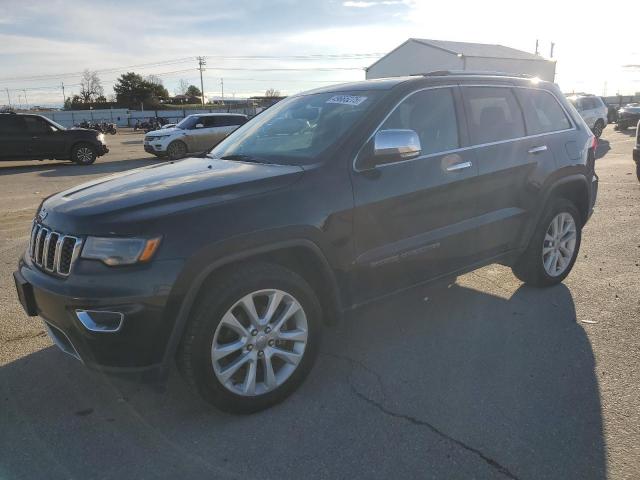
291 46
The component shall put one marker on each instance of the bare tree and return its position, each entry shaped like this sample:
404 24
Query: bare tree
182 87
154 79
90 87
272 92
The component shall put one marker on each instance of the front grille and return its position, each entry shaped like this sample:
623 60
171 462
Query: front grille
52 251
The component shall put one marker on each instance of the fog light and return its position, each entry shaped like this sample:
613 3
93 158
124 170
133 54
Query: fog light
100 320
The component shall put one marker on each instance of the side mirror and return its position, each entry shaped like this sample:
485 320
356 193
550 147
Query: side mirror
199 125
395 145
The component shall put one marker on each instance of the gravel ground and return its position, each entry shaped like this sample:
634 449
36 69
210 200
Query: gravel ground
483 378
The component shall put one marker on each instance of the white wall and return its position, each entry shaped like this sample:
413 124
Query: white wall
543 69
413 58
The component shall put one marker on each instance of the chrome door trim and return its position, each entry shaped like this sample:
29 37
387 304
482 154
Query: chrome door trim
469 147
534 150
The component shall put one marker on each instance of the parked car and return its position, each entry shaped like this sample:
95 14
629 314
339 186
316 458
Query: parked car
231 263
628 116
593 111
612 114
34 137
195 133
636 151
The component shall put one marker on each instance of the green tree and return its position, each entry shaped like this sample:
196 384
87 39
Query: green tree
193 91
132 90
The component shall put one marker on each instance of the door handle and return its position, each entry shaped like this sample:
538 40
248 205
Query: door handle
458 166
541 148
35 137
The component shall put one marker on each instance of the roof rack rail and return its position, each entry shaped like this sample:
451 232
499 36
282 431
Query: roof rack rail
444 73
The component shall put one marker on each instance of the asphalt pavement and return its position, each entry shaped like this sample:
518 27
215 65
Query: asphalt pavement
481 378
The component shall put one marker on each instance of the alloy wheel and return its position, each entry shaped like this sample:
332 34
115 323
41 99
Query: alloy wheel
559 244
259 342
84 154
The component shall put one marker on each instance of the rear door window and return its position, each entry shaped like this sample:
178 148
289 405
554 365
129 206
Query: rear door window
542 112
493 114
432 115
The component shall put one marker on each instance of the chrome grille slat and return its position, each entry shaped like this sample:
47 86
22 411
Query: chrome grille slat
53 251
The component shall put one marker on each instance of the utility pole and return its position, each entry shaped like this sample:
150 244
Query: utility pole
537 51
9 97
201 64
552 45
26 102
64 98
222 85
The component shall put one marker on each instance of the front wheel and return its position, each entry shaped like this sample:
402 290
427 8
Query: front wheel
253 340
84 154
176 150
554 246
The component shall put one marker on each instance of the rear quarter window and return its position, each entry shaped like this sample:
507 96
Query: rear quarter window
542 112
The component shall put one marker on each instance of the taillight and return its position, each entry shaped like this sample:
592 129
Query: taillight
594 142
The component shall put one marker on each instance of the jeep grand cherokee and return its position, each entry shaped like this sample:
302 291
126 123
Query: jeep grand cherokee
232 263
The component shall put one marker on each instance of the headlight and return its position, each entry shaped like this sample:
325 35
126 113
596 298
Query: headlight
158 137
101 137
120 251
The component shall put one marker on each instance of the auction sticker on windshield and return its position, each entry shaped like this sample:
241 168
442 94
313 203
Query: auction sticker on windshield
347 99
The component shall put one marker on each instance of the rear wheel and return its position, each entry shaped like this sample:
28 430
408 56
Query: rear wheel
253 340
554 246
84 154
638 171
598 128
176 150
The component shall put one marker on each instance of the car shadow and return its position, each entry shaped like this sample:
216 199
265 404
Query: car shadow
448 380
69 169
630 132
603 148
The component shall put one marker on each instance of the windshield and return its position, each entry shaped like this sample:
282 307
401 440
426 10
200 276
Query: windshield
188 122
297 129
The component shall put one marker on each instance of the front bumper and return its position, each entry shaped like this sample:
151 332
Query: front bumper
140 294
102 149
628 120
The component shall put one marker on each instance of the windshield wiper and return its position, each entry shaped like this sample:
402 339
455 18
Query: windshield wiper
244 158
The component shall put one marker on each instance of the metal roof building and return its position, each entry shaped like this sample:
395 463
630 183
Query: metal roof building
418 55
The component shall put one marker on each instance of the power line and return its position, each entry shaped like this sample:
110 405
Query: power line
344 56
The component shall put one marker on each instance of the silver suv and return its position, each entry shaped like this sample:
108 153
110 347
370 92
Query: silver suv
592 110
195 133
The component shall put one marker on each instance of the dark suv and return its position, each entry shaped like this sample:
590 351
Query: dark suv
231 263
35 137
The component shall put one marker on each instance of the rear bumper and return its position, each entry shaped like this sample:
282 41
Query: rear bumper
135 345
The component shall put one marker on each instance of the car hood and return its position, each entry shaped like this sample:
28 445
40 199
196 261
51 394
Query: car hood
633 110
165 131
160 190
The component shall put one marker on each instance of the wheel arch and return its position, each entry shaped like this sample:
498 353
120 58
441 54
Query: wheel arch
300 255
574 188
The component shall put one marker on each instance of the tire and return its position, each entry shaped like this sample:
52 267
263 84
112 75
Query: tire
638 171
530 267
598 128
176 150
211 321
83 154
